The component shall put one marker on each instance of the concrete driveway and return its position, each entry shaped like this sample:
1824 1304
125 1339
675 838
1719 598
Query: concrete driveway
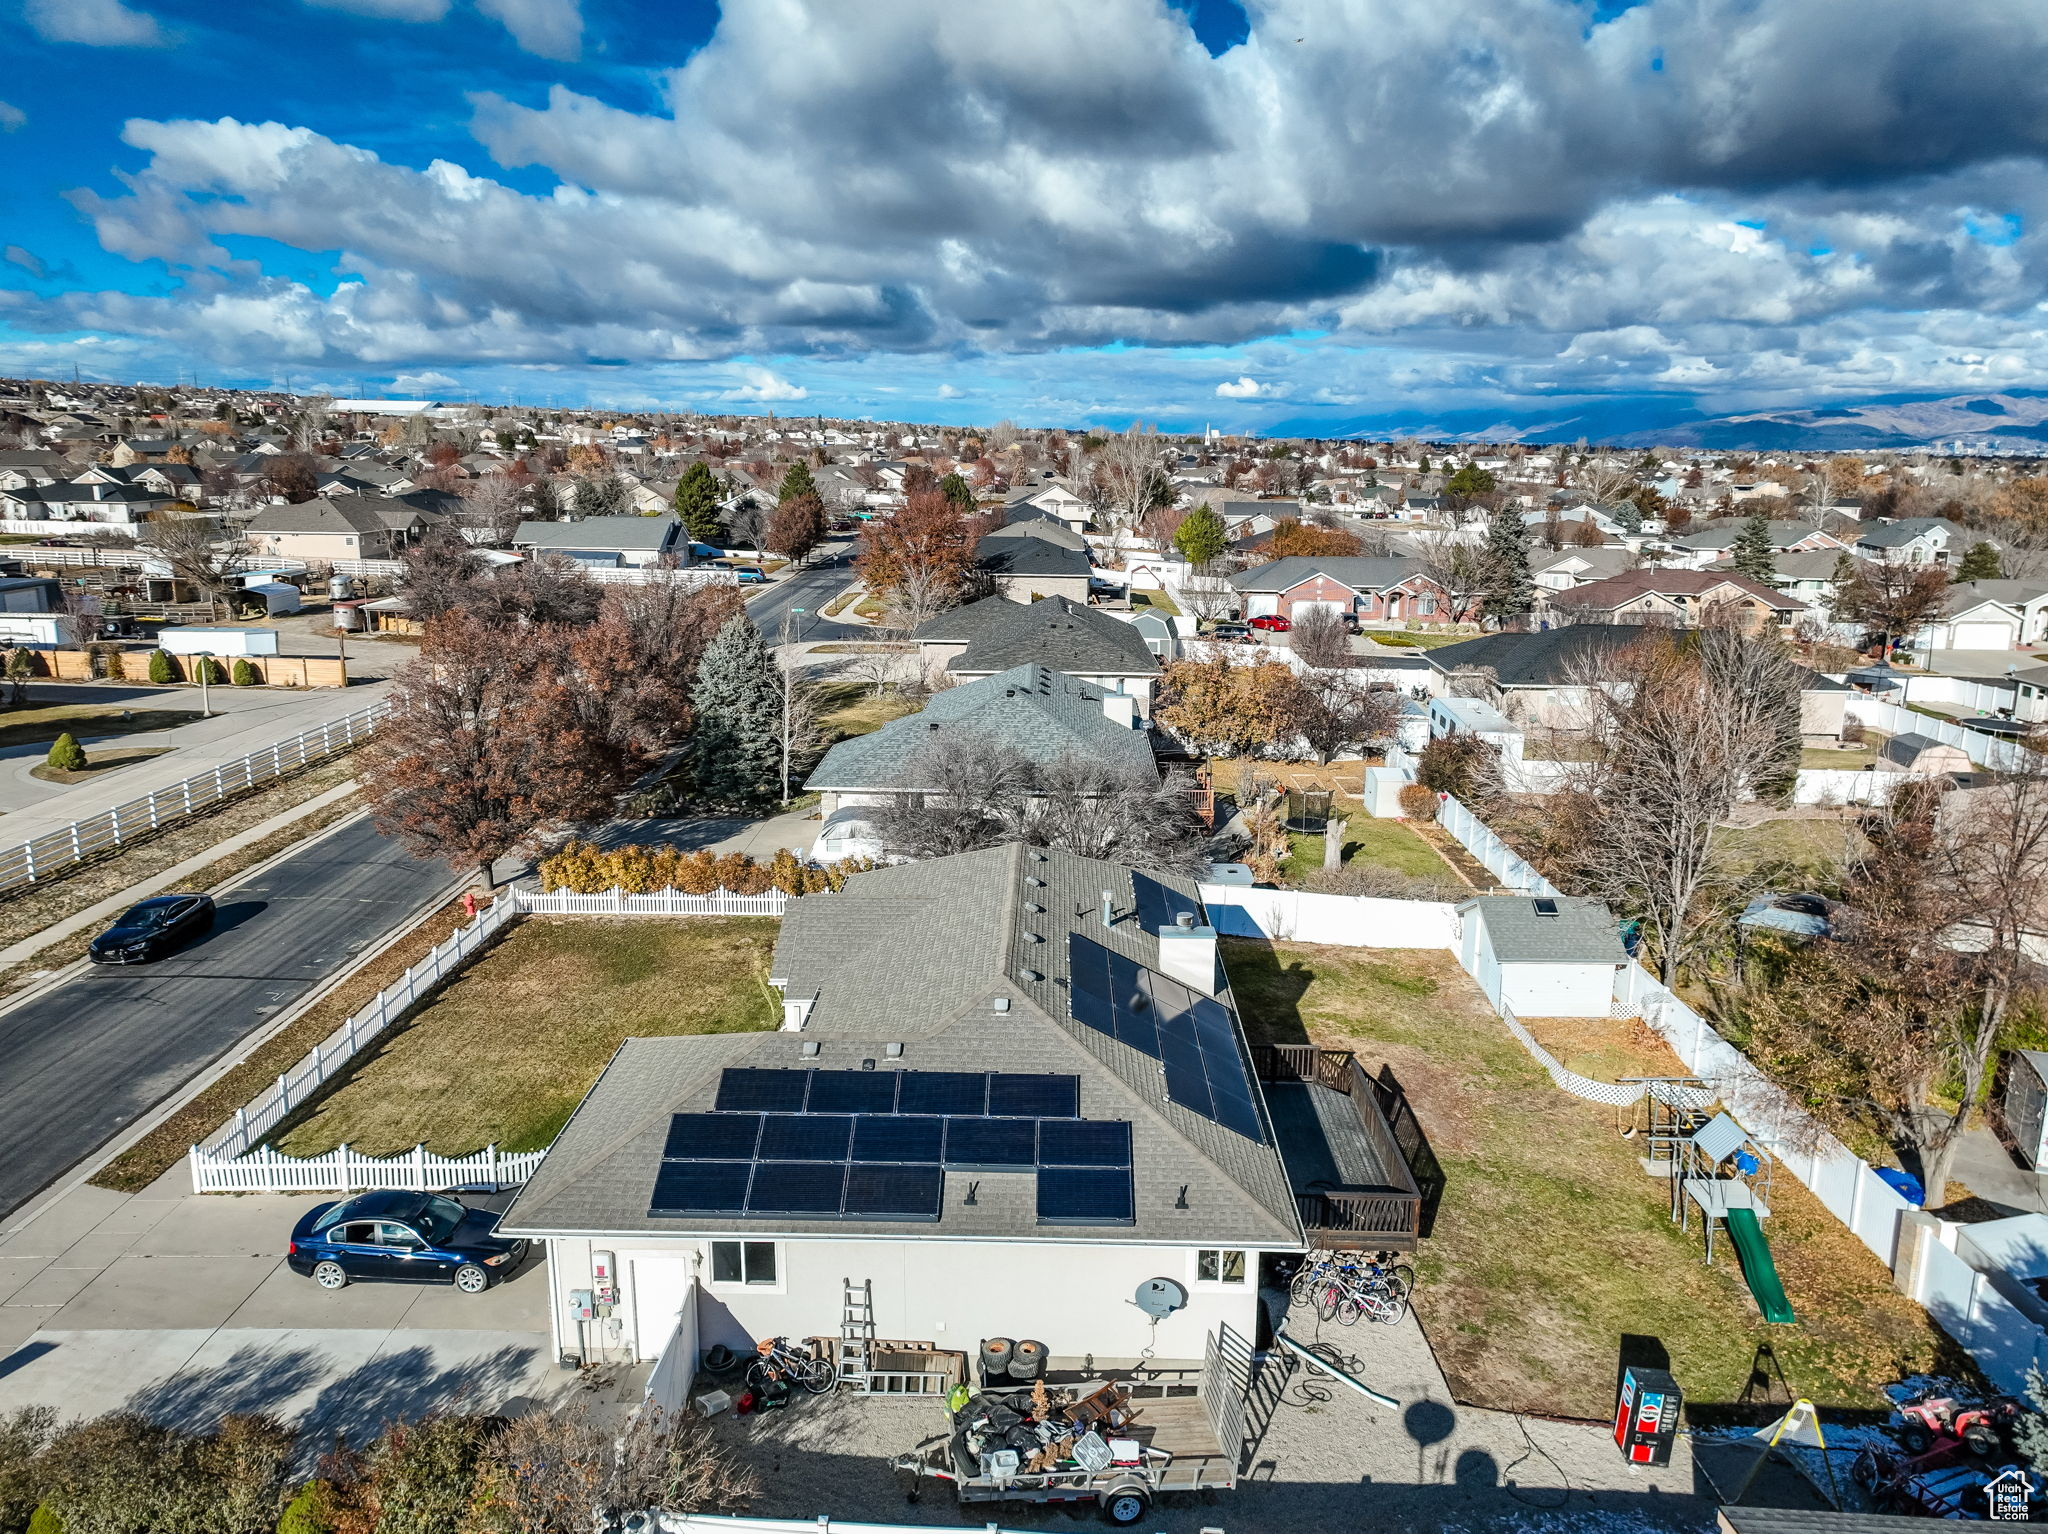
181 1307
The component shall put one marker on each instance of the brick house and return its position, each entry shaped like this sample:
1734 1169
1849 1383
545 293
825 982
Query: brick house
1373 590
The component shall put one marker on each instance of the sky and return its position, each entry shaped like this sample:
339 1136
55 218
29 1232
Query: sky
1288 216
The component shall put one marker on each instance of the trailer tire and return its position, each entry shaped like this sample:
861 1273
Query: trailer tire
1126 1505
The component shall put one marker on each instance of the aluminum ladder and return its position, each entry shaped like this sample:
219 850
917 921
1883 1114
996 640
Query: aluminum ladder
856 1334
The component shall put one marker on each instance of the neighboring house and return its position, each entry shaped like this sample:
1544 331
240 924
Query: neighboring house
1060 504
990 1139
1543 955
1040 715
1988 615
1373 590
1068 637
1923 756
1676 599
1918 540
1571 567
1035 556
608 541
118 505
1806 576
335 527
1710 541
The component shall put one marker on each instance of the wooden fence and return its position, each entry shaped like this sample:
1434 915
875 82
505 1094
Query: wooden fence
133 666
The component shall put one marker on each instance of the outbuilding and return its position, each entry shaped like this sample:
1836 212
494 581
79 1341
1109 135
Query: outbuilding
1542 955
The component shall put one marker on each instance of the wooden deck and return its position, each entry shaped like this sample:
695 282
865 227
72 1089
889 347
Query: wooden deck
1354 1188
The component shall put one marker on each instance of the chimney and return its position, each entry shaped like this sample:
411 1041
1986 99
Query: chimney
1187 953
1118 708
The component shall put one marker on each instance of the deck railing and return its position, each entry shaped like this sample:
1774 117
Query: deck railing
1389 1216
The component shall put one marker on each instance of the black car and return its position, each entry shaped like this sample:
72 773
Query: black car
152 929
402 1238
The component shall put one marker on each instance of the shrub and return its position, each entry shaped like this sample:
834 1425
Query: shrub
1395 641
245 674
583 869
66 754
306 1513
1417 802
44 1520
162 669
23 1433
422 1474
214 673
21 664
1463 766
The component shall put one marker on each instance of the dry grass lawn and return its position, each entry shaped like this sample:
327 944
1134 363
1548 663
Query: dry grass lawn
846 709
1550 1244
506 1053
34 726
97 762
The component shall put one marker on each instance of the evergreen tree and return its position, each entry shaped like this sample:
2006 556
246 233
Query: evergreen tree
244 674
1751 553
601 495
1422 464
737 744
66 754
697 503
1628 516
1506 588
162 670
959 492
1981 563
1469 481
1201 536
796 482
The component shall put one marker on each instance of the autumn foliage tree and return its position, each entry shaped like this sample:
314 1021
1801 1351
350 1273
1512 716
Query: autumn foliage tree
1295 537
797 525
919 560
1225 708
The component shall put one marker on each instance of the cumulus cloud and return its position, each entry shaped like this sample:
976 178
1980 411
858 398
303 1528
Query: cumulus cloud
765 388
11 117
1243 388
96 23
424 383
551 28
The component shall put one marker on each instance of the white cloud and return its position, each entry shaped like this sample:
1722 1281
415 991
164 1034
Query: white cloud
765 388
424 383
1245 388
948 391
98 23
26 259
388 10
11 117
551 28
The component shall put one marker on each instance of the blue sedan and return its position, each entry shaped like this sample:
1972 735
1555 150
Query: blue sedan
402 1238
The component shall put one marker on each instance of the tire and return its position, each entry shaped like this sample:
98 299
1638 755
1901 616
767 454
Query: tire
1125 1506
1981 1439
1328 1301
1915 1438
330 1275
472 1278
1349 1309
1299 1292
758 1375
817 1376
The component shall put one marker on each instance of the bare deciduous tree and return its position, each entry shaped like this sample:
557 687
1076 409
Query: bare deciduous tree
195 550
1321 639
1133 479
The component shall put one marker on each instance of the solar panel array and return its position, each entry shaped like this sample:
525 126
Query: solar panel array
817 1144
1190 1035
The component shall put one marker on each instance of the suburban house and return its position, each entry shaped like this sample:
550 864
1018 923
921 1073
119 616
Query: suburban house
67 501
1807 576
1039 714
1068 637
1542 955
1676 599
1570 567
607 542
1373 590
1032 556
1010 1089
1707 542
1988 615
1059 503
1918 541
332 527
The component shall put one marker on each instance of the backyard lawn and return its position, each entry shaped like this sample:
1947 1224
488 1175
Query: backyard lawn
1797 849
1385 843
846 709
508 1050
1550 1243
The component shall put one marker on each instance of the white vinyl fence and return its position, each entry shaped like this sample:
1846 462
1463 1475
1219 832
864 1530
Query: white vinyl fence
57 851
1501 860
267 1171
1984 750
660 903
1351 921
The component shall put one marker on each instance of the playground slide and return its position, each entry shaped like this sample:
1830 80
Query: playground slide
1754 1253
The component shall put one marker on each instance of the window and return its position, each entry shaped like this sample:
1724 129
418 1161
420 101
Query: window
743 1262
1219 1267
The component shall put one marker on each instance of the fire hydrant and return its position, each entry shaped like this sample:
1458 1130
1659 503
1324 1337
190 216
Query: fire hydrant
469 904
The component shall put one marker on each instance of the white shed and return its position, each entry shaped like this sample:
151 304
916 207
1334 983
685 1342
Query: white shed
222 640
1542 955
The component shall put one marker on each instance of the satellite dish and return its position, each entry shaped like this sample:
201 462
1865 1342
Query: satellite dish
1160 1297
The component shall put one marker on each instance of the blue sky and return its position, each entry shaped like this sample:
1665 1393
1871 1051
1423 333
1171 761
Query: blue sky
1290 215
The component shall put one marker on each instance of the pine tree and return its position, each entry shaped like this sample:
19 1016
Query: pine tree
1201 536
1751 553
67 755
959 492
737 745
1507 589
162 670
245 674
697 503
1981 563
796 482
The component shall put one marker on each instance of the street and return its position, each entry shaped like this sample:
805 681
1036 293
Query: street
80 1061
809 589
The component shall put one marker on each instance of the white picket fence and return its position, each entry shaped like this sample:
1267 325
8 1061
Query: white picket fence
421 1171
57 851
617 902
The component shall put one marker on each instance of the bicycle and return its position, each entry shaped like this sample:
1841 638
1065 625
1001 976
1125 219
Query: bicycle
780 1361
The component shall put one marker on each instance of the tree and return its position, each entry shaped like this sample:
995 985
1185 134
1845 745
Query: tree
66 754
1507 590
162 669
601 495
1225 708
1752 553
1201 537
1294 537
736 748
1980 564
1131 478
959 492
1334 711
797 525
1320 638
294 477
195 551
697 503
797 481
494 505
244 674
1461 765
440 570
919 560
1469 483
1890 598
1454 566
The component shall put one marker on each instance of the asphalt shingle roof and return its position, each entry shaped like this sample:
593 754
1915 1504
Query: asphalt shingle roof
1358 571
620 533
1055 632
1581 932
336 514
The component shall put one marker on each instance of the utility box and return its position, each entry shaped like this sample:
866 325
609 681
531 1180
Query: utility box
1646 1416
2026 1105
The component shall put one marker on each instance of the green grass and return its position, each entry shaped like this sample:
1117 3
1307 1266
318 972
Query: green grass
846 709
1387 843
1793 851
1158 601
504 1055
1549 1243
1419 640
31 726
1851 758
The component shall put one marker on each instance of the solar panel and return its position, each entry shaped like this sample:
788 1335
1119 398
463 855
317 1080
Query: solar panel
744 1090
853 1092
1085 1196
1235 1112
1158 905
700 1187
712 1136
797 1187
898 1137
943 1092
895 1192
1034 1097
1088 964
1084 1142
991 1143
804 1137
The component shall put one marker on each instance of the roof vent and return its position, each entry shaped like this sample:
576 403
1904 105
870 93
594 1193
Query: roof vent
1108 909
1035 882
894 1051
867 1065
1034 937
1033 907
999 1004
1032 975
932 725
809 1049
1037 857
1185 921
1545 906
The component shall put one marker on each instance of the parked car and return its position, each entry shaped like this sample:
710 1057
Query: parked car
1273 623
749 575
1105 583
1229 630
402 1238
152 929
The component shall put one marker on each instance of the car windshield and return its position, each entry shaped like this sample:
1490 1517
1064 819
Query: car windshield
438 1218
146 916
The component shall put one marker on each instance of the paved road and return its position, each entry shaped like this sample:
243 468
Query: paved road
80 1061
809 589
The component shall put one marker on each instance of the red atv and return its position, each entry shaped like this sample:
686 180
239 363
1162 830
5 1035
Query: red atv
1981 1427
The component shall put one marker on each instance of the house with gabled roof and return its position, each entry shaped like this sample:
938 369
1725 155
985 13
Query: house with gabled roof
1918 540
1010 1088
1371 589
1676 599
1071 638
1035 555
330 527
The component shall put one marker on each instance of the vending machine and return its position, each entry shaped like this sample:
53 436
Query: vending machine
1646 1416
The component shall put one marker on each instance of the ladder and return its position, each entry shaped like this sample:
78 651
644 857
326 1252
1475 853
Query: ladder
856 1334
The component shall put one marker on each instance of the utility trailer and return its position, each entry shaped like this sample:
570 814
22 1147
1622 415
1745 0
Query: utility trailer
1190 1434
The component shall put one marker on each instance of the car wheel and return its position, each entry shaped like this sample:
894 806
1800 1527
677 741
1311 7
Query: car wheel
471 1279
330 1275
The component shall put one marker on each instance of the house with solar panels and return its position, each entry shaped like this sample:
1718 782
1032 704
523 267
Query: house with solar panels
1010 1087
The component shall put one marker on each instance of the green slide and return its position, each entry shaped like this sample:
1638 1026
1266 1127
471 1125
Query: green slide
1754 1253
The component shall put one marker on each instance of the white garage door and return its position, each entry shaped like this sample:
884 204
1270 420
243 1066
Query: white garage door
1982 636
1307 607
1557 990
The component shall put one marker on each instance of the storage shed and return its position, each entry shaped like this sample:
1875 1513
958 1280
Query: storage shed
1542 955
2026 1104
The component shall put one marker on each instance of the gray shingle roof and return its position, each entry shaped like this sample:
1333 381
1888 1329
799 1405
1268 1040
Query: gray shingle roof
337 514
1055 632
1892 535
640 534
1582 931
1019 550
914 954
1359 572
1039 713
